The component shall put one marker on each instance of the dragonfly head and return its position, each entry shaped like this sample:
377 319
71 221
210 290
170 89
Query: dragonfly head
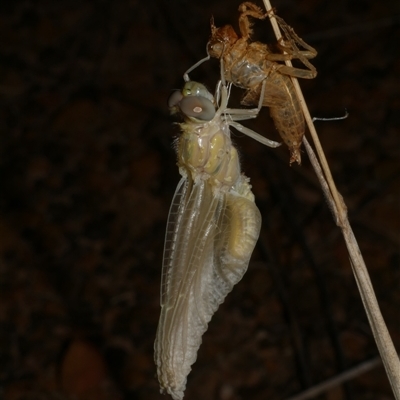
194 101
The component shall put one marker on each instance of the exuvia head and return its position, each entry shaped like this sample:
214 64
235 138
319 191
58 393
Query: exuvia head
221 39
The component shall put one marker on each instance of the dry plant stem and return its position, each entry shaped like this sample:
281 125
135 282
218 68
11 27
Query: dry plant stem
320 175
382 338
329 384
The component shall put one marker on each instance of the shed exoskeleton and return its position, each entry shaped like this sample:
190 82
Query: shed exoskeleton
254 67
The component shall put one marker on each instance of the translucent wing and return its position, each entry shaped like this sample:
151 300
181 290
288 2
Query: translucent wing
210 237
178 206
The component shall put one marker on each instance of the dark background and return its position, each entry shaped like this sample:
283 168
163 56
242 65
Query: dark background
87 173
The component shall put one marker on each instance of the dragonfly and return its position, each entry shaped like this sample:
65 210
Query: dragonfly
253 66
212 229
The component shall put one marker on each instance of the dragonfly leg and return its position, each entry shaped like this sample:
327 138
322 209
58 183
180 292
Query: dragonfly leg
193 67
240 114
254 135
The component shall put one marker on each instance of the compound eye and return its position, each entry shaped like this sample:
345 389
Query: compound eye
215 49
197 107
175 97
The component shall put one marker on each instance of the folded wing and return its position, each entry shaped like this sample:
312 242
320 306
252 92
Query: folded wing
210 237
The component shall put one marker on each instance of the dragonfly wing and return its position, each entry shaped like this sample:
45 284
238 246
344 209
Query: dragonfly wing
174 226
214 236
188 251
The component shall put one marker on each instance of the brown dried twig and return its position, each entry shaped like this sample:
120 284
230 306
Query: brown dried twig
337 380
382 338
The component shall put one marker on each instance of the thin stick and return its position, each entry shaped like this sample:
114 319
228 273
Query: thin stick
381 335
337 380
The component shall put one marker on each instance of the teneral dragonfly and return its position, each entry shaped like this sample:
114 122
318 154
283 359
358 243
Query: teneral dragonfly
213 226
